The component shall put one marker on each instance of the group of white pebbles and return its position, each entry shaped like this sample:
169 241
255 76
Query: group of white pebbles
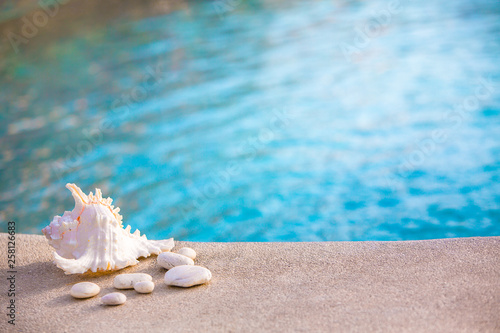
181 272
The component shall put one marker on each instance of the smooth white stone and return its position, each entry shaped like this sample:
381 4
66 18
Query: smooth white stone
114 299
169 260
127 281
187 276
85 290
188 252
144 287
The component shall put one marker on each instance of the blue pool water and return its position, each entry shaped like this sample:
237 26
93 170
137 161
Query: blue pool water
264 121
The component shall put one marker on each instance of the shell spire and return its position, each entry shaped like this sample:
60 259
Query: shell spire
92 237
80 199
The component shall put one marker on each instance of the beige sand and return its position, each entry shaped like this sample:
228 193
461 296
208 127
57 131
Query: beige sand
448 285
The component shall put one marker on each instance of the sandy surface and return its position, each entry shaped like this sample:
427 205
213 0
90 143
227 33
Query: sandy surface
448 285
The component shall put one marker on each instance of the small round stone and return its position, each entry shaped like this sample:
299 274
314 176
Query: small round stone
187 276
114 299
85 290
188 252
127 281
169 260
144 287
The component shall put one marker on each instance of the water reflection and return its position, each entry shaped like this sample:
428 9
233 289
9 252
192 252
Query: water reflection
266 121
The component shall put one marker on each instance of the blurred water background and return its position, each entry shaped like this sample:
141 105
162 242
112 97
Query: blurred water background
256 120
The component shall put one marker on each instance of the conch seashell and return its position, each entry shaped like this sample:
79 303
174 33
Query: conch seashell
92 237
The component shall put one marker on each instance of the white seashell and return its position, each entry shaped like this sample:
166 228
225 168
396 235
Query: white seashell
127 281
84 290
144 287
188 252
187 276
114 299
169 260
92 237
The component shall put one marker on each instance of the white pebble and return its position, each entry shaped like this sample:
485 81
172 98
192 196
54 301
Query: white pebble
85 290
113 299
144 287
188 252
187 276
169 260
127 281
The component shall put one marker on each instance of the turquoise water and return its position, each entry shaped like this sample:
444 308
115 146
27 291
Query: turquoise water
264 121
